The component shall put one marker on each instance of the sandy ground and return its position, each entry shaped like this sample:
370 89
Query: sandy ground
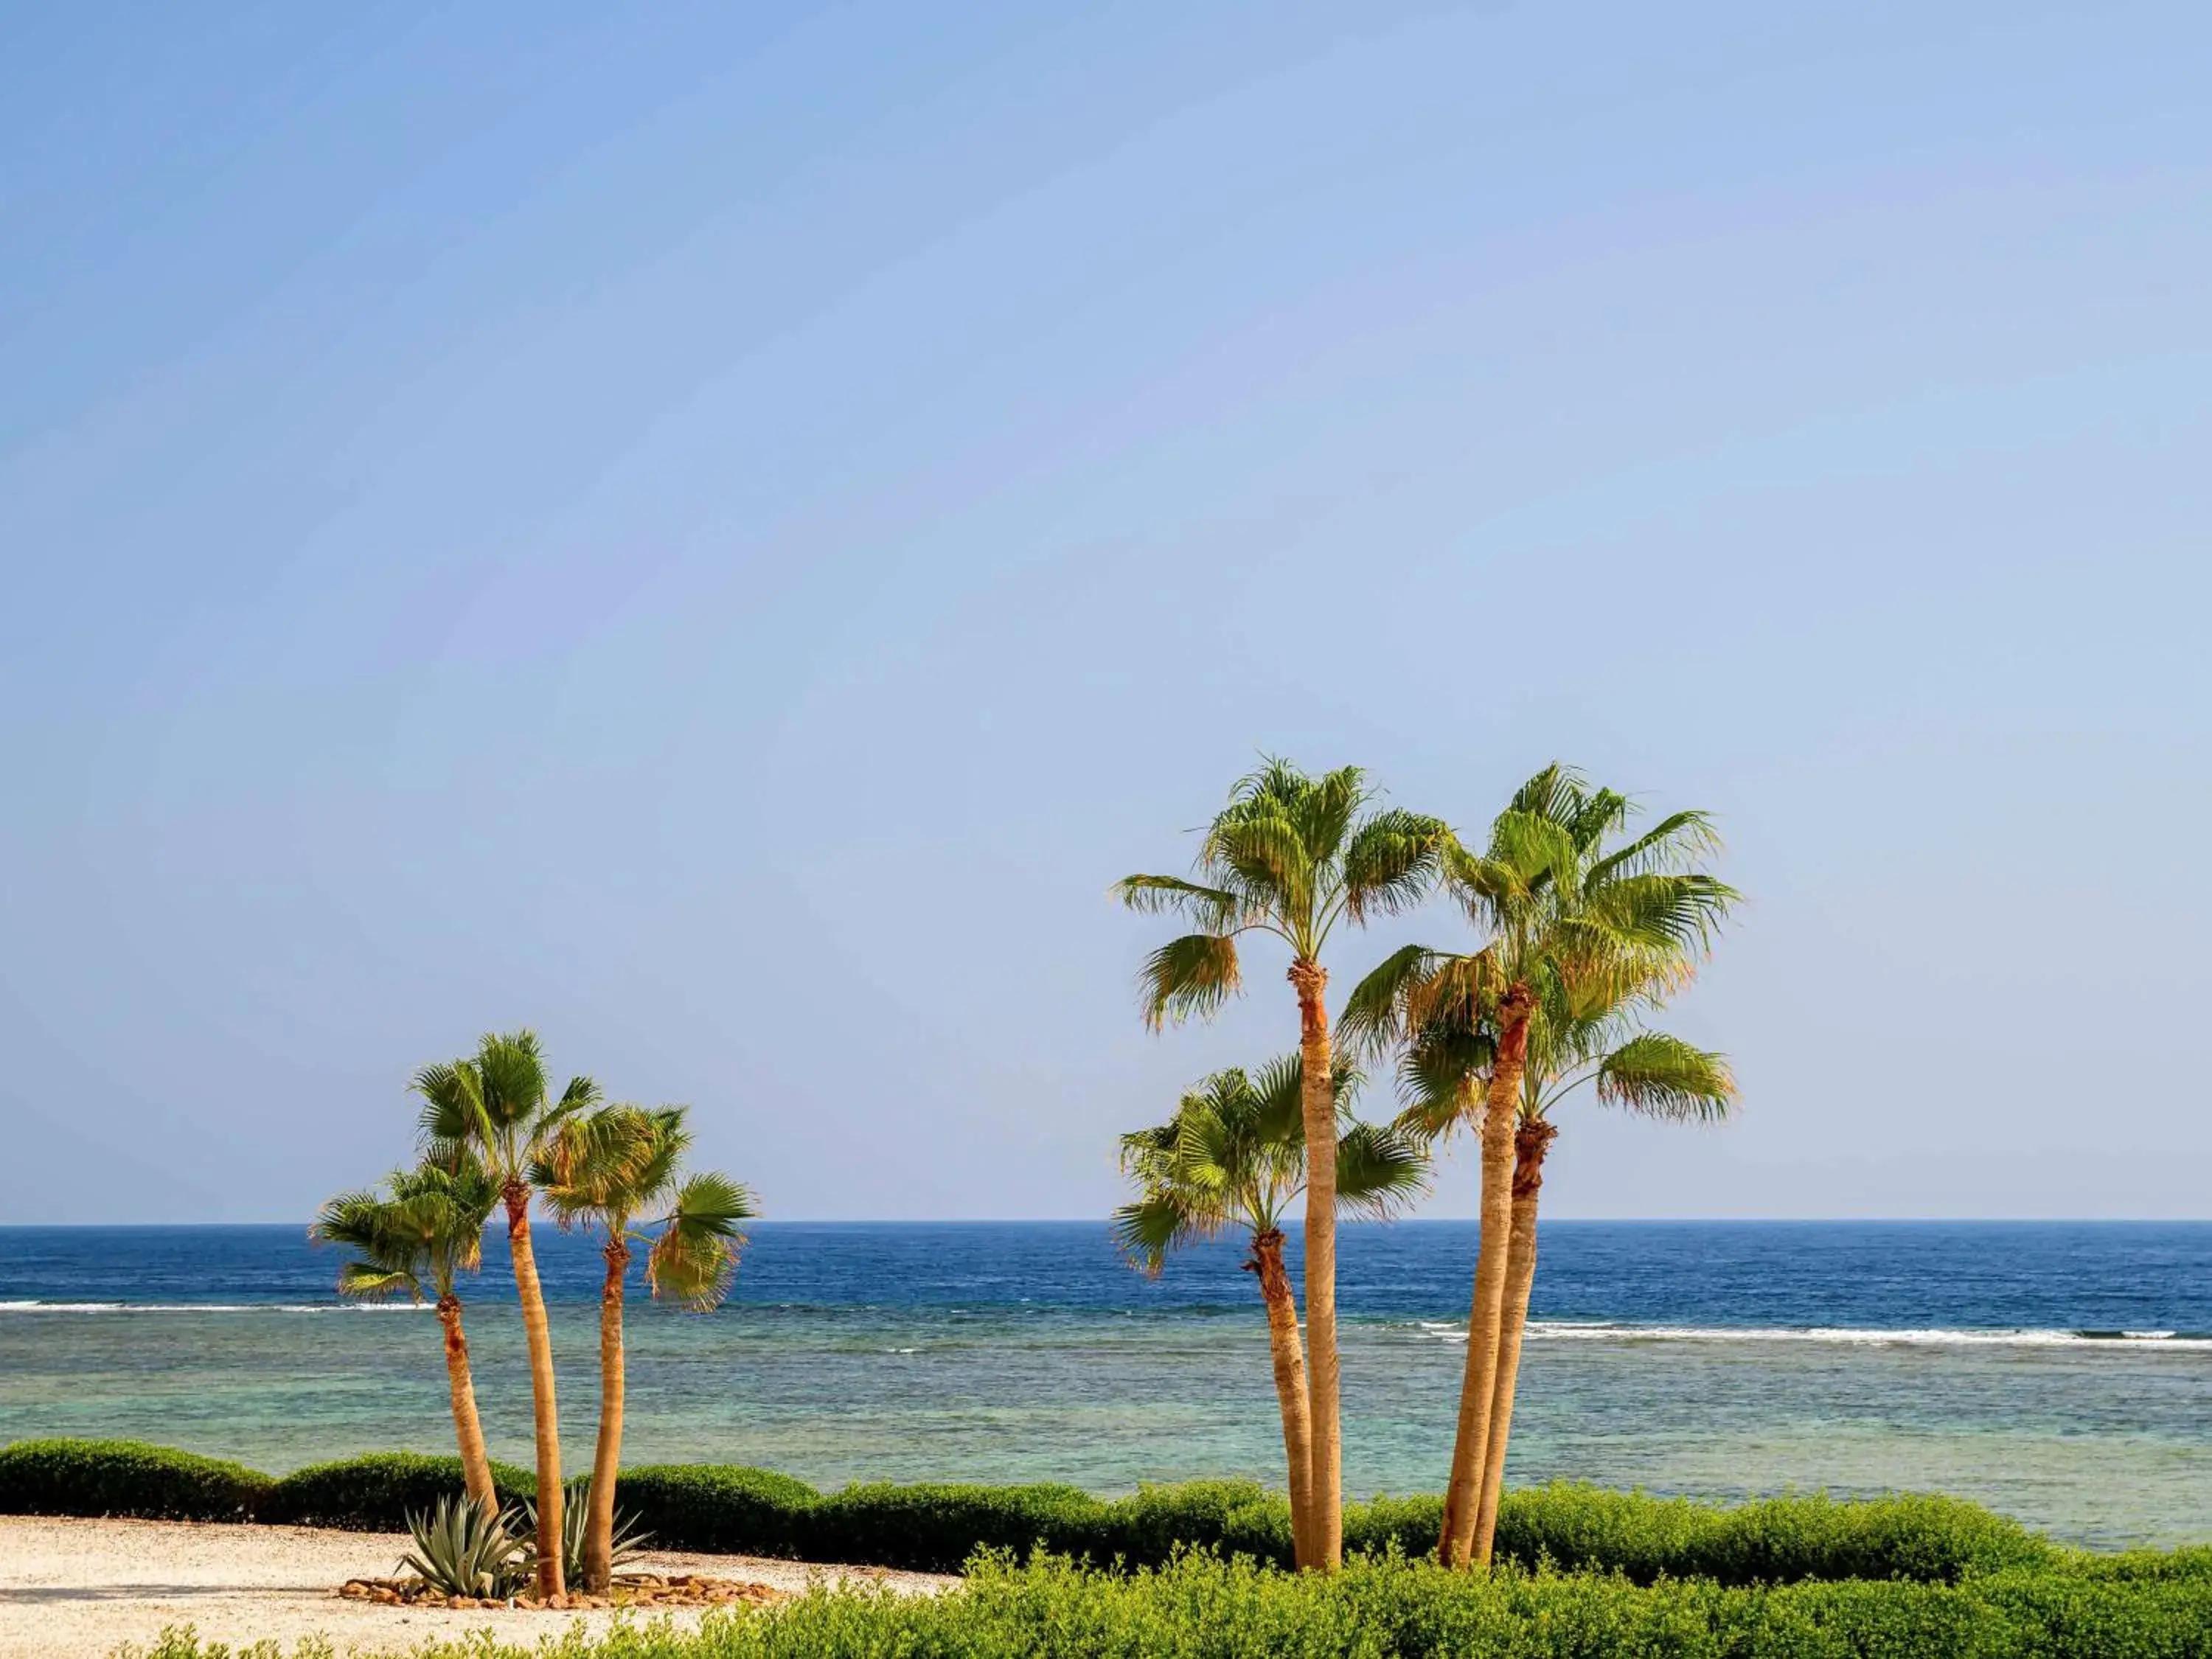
77 1589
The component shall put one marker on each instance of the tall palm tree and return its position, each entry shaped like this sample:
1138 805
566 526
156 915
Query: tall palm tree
427 1225
1292 856
498 1105
1234 1156
1558 913
1594 1042
619 1169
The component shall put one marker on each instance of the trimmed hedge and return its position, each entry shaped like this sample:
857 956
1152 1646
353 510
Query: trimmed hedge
718 1509
126 1477
1201 1608
937 1526
377 1492
1777 1540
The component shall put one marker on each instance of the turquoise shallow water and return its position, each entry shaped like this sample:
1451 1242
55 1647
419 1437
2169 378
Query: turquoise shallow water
2064 1377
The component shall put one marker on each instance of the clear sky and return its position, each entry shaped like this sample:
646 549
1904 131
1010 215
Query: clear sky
718 531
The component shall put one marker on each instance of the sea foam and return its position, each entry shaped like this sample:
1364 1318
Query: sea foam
1548 1330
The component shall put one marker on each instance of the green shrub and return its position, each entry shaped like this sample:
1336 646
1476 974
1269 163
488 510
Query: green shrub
1408 1525
2135 1565
124 1477
933 1528
1202 1607
1236 1517
1774 1540
708 1507
720 1508
2072 1615
377 1492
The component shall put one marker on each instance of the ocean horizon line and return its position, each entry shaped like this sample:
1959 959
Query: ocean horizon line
1290 1225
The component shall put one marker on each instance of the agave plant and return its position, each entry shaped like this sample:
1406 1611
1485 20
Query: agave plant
629 1540
462 1548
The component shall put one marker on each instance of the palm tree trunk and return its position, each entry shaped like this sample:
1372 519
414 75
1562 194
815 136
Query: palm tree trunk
1463 1496
468 1427
1531 1141
551 1581
606 1457
1289 1385
1321 1378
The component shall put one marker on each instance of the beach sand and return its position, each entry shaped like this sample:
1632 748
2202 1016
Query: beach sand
73 1590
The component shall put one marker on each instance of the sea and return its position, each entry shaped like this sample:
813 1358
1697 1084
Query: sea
2059 1372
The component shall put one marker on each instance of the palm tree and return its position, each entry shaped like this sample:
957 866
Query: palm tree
1560 915
1649 1073
602 1170
1292 856
427 1224
1234 1156
497 1105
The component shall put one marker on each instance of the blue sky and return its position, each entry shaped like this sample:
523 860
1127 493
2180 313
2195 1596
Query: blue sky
717 531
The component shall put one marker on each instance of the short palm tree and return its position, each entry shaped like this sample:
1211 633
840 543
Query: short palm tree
1292 856
427 1225
1560 914
1596 1043
1234 1155
618 1170
497 1105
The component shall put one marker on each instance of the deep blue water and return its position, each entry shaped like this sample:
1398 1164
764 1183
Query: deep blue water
2079 1276
2061 1371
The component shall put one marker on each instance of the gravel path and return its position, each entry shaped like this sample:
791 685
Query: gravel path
74 1589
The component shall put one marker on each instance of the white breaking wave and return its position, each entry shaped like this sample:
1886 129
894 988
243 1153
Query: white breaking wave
1856 1336
213 1307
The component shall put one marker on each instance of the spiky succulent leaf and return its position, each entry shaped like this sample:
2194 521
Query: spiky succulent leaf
461 1548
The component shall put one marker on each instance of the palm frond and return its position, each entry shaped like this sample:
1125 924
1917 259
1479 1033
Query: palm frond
511 1072
425 1223
366 1283
1391 861
603 1166
1233 1154
1680 840
1486 887
1326 810
1551 792
1379 1171
1440 1078
493 1105
1289 855
452 1103
1591 815
1273 1101
1161 1221
1373 1016
1659 912
1664 1076
1538 851
1265 857
356 1219
694 1256
1193 974
1213 908
1278 1094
